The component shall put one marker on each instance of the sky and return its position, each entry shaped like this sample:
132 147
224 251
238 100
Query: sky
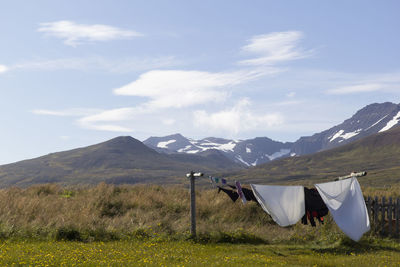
75 73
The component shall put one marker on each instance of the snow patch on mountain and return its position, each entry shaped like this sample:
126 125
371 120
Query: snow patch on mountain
184 149
165 144
341 134
238 157
248 150
205 145
391 123
278 154
375 123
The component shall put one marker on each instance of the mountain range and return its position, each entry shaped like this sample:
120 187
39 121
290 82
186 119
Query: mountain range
371 119
119 160
369 140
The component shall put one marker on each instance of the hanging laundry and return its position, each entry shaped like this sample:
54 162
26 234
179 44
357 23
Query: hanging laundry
346 203
249 195
232 194
223 181
240 192
212 181
314 207
285 204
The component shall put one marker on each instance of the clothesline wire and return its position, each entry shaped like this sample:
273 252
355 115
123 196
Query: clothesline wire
353 174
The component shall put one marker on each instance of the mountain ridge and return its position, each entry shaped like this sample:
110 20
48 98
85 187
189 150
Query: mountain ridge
369 120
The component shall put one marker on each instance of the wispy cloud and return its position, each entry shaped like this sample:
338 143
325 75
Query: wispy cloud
98 63
360 88
101 120
3 68
107 128
93 119
274 48
72 112
237 119
181 88
75 34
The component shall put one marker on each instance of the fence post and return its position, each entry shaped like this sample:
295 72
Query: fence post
369 208
383 215
389 215
397 215
376 210
192 206
192 176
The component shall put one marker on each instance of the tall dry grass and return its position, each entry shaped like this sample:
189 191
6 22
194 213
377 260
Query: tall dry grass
106 212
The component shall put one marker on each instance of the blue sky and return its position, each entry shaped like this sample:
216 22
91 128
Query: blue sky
75 73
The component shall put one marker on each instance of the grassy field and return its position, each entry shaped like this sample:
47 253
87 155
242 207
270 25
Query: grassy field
155 252
149 225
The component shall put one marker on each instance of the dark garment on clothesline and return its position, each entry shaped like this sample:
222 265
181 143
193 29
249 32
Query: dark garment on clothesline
232 194
314 207
248 193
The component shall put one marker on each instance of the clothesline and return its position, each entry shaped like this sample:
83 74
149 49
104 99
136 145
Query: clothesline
288 204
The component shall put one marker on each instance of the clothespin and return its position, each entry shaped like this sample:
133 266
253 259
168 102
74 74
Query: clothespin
212 181
240 192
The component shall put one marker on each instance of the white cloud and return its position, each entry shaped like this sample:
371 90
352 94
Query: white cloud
3 68
72 112
74 34
361 88
93 119
168 121
125 65
291 94
237 119
275 47
107 127
99 121
118 114
180 88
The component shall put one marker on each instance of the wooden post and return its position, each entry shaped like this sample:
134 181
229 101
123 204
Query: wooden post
192 206
389 215
397 216
192 176
383 215
376 210
369 207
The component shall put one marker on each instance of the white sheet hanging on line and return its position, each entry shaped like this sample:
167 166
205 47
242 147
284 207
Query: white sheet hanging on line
347 206
285 204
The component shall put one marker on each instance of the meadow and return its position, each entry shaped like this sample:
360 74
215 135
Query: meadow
156 252
146 225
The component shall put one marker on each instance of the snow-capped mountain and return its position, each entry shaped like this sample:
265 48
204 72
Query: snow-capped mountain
249 152
369 120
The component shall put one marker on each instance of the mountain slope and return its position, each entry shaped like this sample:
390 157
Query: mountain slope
119 160
369 120
378 154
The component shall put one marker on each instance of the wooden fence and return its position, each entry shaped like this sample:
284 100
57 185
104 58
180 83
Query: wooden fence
384 215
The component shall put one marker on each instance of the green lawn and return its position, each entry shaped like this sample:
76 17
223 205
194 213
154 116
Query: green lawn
153 252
